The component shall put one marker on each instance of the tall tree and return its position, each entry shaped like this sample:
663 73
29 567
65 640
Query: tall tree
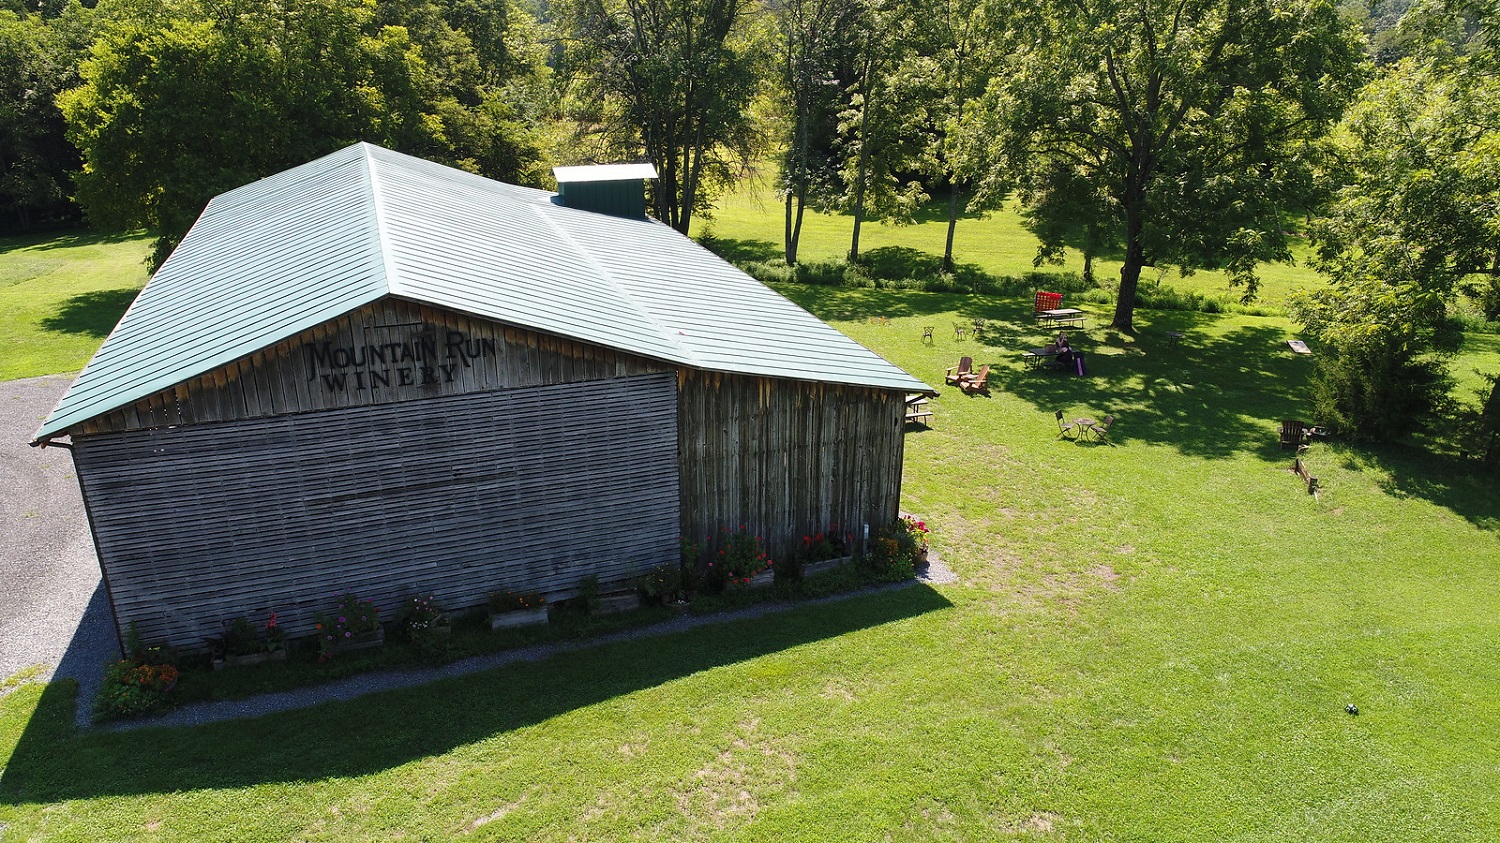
1416 223
679 80
184 99
814 60
955 52
35 156
1191 116
883 141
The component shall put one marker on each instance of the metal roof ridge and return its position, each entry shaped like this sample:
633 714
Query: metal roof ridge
377 216
684 354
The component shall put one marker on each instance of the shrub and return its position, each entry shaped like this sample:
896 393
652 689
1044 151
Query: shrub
243 638
739 558
350 617
133 689
662 584
893 551
425 623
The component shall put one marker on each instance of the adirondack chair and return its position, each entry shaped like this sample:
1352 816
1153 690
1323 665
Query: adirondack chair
957 373
976 382
1293 433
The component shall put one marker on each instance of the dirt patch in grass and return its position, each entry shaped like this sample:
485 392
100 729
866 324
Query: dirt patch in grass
729 788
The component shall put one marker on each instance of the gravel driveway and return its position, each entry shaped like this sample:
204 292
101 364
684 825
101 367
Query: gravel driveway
52 607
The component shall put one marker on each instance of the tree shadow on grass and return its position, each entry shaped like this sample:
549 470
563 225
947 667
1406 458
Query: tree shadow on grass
738 251
52 240
1208 397
93 313
1462 486
54 763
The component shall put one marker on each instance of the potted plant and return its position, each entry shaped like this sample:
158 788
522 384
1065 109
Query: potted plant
243 643
354 624
741 561
516 608
425 622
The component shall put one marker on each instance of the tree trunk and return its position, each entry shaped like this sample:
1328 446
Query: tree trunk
862 172
797 225
1130 272
1489 421
952 224
1088 267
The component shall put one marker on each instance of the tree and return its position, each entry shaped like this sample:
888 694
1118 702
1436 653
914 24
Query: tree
1192 118
814 58
955 52
1414 225
185 99
35 156
679 81
883 143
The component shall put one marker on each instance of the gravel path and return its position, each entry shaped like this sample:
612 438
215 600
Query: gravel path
54 613
52 607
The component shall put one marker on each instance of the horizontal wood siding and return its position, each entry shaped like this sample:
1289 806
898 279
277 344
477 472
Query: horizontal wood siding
394 350
530 489
786 459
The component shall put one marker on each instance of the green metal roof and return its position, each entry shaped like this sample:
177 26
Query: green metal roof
273 258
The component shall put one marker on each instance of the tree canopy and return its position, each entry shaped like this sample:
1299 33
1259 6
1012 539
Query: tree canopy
1192 120
670 80
1414 223
184 99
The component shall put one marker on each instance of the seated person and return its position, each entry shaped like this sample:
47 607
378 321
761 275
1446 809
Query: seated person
1064 351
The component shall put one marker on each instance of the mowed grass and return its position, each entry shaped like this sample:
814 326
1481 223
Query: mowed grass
1151 640
60 297
996 243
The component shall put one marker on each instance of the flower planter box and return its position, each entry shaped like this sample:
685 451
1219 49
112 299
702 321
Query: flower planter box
812 568
764 579
519 617
610 604
362 641
249 659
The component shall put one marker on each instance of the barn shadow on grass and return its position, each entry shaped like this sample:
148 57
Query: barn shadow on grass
93 313
55 763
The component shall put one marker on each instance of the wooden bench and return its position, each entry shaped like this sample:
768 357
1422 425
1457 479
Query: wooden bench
1300 468
916 410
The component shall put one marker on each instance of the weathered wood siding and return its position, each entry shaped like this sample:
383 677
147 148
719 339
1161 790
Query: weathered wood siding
786 458
387 352
458 496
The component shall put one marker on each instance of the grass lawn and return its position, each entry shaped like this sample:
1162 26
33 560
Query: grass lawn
997 244
59 298
1153 640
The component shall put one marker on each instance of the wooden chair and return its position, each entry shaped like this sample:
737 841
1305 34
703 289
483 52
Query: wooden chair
957 373
1293 433
1101 430
976 382
1065 428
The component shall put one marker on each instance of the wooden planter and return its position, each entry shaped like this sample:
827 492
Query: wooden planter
764 579
362 641
813 568
519 617
249 659
611 603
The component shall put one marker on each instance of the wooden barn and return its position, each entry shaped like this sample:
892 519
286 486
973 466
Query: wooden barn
377 375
